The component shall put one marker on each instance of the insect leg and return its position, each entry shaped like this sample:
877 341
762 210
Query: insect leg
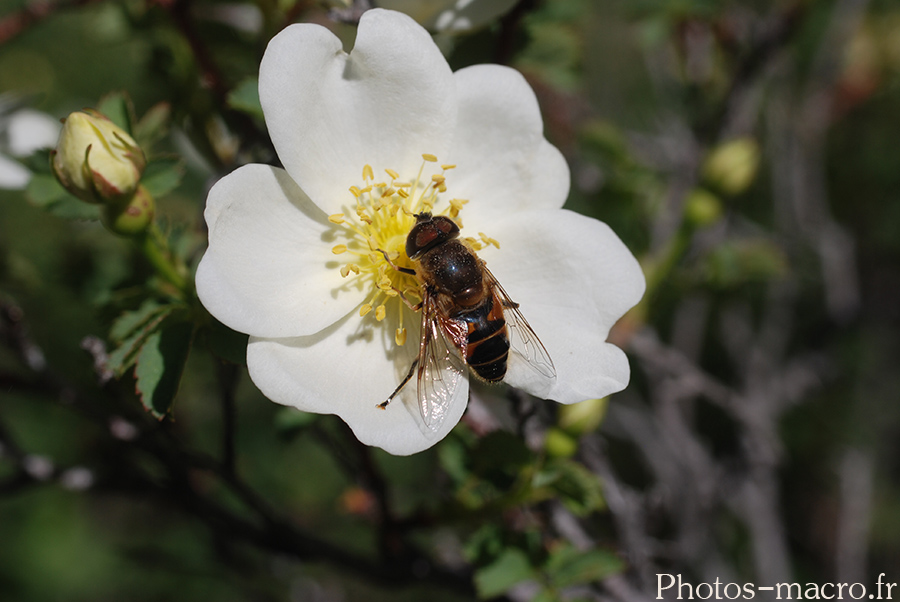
409 271
412 369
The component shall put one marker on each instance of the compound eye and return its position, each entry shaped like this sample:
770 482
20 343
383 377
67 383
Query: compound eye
425 237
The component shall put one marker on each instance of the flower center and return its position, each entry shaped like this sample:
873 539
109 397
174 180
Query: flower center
374 228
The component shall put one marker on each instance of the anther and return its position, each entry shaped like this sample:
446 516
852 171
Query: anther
364 309
429 157
368 174
380 312
446 167
400 336
394 175
337 218
338 249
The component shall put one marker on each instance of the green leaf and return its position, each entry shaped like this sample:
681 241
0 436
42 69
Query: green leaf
569 566
126 353
118 108
510 568
162 176
130 321
160 365
45 192
245 97
577 487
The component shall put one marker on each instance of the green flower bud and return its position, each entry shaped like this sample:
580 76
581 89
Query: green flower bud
731 167
583 417
96 160
131 217
702 208
560 444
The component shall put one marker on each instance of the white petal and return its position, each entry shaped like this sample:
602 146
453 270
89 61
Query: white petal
573 279
13 175
30 130
269 270
466 15
503 161
329 114
347 370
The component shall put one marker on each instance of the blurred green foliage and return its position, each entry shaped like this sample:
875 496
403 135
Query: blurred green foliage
742 150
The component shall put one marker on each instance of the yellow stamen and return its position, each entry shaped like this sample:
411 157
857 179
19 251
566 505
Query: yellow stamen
488 240
374 227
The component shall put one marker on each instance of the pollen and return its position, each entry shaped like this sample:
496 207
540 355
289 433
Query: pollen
371 227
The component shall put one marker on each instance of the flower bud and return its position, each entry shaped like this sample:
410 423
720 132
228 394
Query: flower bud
131 217
583 417
702 208
96 160
731 167
560 444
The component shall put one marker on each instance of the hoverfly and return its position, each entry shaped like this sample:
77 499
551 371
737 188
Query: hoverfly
468 320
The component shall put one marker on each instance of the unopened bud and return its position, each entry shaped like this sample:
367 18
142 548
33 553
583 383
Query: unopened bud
731 167
583 417
702 208
131 217
560 444
96 160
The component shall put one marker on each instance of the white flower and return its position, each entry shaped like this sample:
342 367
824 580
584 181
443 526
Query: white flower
21 133
450 16
278 270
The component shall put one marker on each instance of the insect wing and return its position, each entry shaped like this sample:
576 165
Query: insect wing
441 365
522 338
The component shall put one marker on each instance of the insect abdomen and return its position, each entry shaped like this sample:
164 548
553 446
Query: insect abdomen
487 346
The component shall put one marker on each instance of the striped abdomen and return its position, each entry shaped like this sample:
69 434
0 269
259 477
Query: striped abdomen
487 345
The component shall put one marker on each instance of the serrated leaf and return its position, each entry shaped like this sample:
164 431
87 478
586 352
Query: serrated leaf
569 566
510 568
245 98
127 323
118 108
45 192
160 365
124 356
153 125
162 176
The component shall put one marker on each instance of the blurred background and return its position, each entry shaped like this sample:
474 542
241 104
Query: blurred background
745 151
